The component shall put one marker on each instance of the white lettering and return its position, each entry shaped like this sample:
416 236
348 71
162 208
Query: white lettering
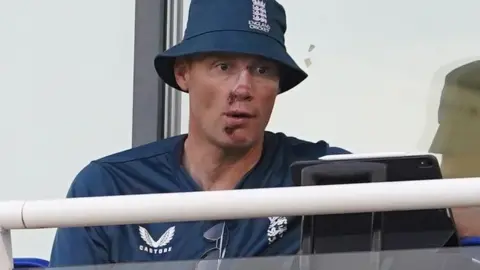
154 250
259 26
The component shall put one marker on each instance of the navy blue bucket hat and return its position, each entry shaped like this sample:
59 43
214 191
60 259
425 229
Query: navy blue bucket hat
254 27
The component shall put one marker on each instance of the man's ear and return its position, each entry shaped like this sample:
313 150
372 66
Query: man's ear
181 70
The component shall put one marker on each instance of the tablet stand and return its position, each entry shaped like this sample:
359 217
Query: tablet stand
354 232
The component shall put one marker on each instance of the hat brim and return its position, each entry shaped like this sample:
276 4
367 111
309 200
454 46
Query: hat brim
231 42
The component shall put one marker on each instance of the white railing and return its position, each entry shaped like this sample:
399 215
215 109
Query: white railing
233 204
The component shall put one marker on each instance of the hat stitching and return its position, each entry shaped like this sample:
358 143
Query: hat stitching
235 30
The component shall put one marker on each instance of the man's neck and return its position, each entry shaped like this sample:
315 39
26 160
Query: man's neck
216 169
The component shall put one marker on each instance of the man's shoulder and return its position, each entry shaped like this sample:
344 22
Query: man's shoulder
157 148
121 173
304 148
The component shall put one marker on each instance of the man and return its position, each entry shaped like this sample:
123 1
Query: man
457 138
233 64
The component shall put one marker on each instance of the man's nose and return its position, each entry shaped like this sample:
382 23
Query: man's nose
242 90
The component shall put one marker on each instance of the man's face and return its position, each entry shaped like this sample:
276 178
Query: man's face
231 96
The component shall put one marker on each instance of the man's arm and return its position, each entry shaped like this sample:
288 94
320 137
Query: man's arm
467 220
83 245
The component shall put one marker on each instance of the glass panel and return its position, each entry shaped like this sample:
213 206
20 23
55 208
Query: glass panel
378 77
386 76
444 259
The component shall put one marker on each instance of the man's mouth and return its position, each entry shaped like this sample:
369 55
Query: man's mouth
239 114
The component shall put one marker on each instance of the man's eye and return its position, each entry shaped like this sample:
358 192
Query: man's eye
262 70
223 66
265 70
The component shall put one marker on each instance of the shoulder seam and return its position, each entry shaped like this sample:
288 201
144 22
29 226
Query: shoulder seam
101 161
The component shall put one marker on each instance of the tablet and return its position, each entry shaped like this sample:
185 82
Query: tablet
401 166
399 229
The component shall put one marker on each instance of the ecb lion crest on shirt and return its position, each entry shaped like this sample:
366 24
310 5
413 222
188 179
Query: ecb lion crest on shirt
276 228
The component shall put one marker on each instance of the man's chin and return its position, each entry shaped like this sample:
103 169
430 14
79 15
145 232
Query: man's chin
238 143
238 140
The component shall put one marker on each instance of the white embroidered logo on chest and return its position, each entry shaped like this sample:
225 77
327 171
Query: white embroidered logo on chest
276 228
159 246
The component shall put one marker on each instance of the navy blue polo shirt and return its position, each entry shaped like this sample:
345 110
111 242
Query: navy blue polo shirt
156 168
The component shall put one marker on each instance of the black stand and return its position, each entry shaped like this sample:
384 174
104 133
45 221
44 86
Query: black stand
364 231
